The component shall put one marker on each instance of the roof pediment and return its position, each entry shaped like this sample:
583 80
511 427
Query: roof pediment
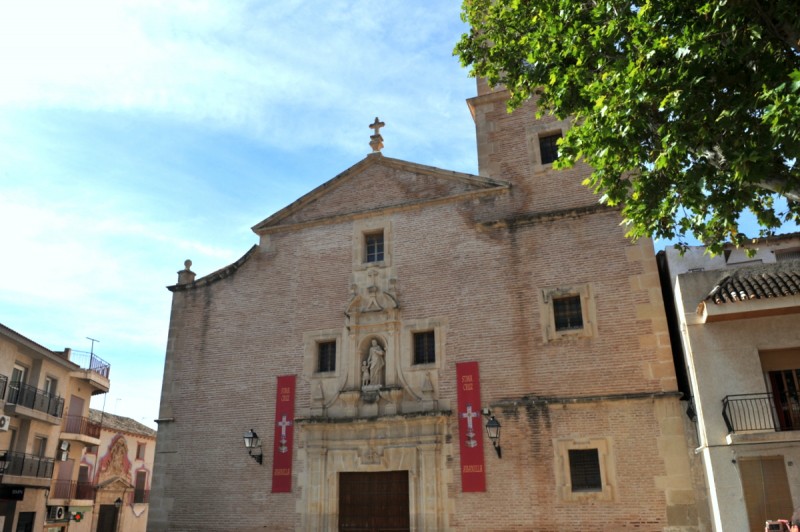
115 483
378 183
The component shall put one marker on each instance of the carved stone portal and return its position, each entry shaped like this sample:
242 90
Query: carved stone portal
373 377
417 444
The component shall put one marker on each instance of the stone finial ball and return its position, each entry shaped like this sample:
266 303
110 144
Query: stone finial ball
188 264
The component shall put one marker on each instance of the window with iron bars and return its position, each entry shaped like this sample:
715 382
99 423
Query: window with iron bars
567 313
548 147
424 347
326 357
584 470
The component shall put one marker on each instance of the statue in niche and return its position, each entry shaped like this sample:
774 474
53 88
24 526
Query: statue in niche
364 373
376 363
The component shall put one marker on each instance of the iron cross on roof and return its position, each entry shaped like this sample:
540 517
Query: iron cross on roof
376 140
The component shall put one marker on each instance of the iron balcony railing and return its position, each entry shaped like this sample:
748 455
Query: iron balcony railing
81 425
36 399
71 489
91 362
26 465
761 411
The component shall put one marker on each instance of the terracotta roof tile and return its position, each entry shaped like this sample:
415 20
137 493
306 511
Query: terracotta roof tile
120 423
780 279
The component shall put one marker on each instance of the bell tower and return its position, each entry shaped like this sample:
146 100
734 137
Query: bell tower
521 148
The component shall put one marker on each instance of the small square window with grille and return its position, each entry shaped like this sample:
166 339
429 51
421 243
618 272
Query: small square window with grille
424 348
548 147
326 357
584 470
567 313
373 247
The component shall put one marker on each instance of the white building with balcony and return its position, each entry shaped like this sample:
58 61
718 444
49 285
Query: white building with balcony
737 319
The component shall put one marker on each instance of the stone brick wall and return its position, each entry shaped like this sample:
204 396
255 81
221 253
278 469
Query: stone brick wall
481 263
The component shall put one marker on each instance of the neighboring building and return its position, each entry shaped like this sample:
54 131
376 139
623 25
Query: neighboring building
737 321
121 468
377 319
44 433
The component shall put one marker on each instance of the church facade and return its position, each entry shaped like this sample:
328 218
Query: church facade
386 318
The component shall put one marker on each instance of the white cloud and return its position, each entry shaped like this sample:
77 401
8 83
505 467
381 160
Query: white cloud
276 71
99 270
136 134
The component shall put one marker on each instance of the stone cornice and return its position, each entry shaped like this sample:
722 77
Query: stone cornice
548 216
500 96
411 205
380 419
532 400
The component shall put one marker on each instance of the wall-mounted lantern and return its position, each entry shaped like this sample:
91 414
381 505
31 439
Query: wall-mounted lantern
253 444
493 431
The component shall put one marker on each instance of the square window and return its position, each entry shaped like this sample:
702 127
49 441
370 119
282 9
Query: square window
567 313
326 357
373 247
584 470
548 147
424 348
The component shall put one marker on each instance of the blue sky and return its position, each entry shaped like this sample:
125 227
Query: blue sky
136 134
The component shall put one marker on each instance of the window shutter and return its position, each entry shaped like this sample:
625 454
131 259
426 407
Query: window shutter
766 490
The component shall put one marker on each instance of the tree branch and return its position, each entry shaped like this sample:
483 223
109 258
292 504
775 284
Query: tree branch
785 33
779 187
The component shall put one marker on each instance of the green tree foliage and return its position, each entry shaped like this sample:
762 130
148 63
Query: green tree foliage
688 111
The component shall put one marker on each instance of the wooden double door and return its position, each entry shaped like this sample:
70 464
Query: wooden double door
766 489
374 502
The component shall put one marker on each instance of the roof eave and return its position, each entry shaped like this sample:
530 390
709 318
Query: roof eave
754 308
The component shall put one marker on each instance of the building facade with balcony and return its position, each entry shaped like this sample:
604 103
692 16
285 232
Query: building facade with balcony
44 432
119 468
736 327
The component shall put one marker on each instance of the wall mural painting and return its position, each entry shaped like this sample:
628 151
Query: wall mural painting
115 463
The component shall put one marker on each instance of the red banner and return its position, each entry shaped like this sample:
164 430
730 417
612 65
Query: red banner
470 427
284 435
